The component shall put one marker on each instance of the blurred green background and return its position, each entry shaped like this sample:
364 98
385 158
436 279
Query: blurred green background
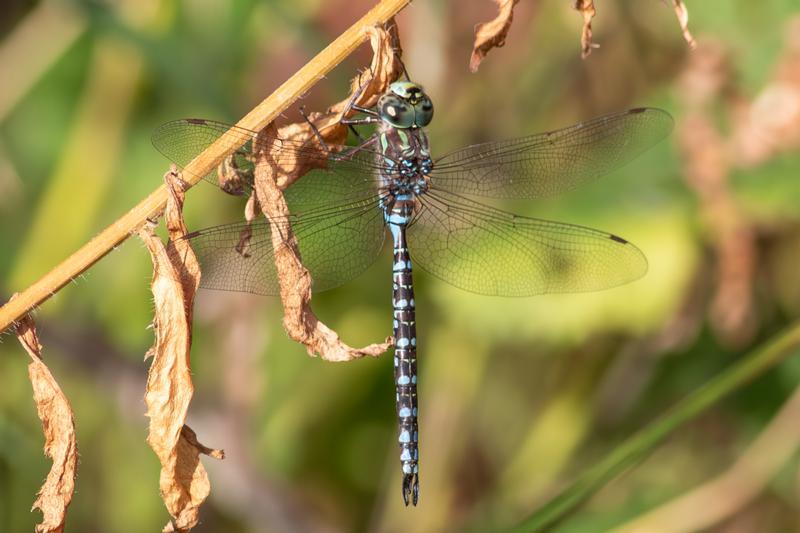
518 396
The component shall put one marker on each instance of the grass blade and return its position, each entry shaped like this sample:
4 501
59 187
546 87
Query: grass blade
642 443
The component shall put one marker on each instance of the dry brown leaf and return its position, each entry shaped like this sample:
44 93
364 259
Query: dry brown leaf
586 7
708 163
683 19
299 320
492 34
385 68
707 170
184 483
271 178
58 425
761 128
770 124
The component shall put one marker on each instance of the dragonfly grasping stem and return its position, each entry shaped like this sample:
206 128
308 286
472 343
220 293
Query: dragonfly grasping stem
208 160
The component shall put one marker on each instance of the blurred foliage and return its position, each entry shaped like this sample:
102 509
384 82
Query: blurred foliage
518 396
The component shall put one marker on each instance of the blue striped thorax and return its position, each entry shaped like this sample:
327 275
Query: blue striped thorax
407 161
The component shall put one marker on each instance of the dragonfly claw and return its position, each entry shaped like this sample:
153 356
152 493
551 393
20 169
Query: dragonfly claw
410 488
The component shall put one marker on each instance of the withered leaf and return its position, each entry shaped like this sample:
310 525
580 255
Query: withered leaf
683 19
299 320
184 483
58 426
586 8
271 178
385 68
492 34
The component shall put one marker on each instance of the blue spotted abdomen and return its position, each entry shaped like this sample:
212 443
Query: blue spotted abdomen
405 353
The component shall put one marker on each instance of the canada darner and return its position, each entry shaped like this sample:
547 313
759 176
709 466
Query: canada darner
340 216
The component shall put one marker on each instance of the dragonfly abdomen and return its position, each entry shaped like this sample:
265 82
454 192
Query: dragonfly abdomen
405 354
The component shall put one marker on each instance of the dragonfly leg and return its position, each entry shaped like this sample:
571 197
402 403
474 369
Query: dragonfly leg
355 131
365 110
352 106
317 134
359 121
344 156
350 122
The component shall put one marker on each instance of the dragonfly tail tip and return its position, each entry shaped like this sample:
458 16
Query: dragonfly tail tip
410 489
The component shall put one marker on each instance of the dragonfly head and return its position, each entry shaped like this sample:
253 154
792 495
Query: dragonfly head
405 105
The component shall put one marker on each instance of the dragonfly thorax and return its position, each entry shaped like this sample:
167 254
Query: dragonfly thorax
410 175
402 181
407 161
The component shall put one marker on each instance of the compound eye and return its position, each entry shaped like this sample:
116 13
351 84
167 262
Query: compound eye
397 113
424 112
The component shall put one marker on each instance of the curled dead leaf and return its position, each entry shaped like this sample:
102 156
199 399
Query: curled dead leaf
58 425
492 34
184 483
384 69
683 19
770 124
299 320
708 162
586 8
274 174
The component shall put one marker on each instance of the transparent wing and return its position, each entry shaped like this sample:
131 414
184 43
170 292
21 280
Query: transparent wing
335 212
548 163
336 245
489 251
181 141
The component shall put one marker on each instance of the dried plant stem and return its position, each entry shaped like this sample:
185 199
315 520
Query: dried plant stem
204 163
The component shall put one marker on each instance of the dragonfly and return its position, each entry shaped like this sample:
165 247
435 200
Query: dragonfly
431 210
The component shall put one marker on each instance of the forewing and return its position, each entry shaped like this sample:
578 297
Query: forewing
182 140
549 163
488 251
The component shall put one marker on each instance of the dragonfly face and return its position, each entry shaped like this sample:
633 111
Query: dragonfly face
405 105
